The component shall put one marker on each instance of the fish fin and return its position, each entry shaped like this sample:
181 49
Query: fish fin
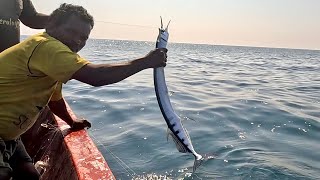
180 146
187 119
168 134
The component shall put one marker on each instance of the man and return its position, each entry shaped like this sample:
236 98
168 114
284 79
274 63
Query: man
10 13
32 73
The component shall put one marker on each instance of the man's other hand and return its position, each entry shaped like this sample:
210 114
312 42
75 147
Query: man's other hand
80 124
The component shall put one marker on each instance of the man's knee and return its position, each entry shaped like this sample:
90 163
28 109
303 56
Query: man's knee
29 176
26 171
5 173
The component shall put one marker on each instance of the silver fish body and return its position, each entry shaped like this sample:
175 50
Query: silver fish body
175 127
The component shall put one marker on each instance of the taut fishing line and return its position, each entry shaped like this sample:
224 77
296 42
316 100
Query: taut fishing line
131 25
130 171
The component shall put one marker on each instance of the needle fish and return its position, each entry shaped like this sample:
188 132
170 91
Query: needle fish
178 133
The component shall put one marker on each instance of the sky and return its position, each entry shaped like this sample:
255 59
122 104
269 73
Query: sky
268 23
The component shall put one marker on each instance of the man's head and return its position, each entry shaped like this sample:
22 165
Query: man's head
70 24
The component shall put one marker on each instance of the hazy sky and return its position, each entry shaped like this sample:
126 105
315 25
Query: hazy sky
271 23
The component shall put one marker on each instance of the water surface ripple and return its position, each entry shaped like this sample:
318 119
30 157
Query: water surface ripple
256 109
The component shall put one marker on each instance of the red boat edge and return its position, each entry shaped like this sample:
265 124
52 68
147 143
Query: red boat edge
64 154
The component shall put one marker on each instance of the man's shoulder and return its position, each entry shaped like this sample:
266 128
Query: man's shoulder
44 40
42 37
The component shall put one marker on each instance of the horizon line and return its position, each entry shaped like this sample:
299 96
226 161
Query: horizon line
243 45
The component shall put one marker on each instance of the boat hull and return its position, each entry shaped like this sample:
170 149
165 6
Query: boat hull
67 155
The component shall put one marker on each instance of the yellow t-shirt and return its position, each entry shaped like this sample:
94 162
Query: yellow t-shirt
32 73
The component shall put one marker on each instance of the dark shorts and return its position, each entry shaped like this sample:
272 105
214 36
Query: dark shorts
12 153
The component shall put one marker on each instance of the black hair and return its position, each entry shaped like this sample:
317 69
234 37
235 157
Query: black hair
65 11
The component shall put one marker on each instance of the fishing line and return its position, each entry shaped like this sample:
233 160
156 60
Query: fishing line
131 25
42 164
118 160
52 129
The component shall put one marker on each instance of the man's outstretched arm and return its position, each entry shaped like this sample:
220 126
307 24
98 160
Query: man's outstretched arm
31 18
104 74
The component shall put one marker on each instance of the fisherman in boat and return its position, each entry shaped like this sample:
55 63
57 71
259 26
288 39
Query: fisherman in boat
33 71
11 11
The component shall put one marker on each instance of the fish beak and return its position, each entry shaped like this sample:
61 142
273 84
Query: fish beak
167 26
162 25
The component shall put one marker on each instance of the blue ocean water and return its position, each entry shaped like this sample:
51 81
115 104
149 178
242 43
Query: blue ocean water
256 109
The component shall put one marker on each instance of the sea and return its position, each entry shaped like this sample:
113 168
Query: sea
255 110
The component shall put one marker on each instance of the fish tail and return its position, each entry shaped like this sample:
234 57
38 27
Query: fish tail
198 160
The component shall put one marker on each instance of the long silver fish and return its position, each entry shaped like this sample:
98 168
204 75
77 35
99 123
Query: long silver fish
175 128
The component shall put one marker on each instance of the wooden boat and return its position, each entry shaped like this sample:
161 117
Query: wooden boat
61 154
